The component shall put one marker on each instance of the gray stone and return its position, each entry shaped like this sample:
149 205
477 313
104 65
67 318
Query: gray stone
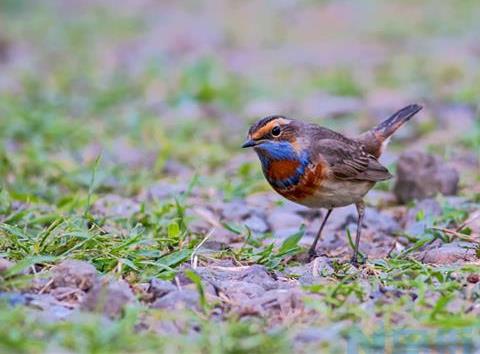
238 291
455 252
75 274
179 300
274 302
51 309
108 296
256 274
159 287
421 175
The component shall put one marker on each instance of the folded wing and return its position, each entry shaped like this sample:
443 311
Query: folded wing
348 160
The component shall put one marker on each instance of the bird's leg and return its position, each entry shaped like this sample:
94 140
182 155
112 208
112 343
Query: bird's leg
361 212
311 252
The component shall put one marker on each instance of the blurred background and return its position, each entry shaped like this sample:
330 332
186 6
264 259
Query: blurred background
164 88
121 169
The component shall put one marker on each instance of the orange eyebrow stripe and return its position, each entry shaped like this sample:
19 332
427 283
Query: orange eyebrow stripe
282 169
268 127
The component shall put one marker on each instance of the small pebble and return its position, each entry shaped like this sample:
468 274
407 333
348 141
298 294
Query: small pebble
473 278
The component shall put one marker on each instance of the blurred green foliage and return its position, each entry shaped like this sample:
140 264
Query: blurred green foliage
81 87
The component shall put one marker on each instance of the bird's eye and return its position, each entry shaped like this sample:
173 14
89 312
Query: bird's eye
276 131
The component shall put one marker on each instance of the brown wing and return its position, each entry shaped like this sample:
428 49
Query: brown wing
349 161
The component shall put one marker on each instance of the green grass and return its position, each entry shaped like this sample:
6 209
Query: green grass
78 99
92 334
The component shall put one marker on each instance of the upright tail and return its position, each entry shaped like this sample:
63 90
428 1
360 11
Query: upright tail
376 139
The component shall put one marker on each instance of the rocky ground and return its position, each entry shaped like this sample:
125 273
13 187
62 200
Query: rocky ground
130 220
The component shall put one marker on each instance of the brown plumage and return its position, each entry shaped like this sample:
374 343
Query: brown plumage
320 168
374 140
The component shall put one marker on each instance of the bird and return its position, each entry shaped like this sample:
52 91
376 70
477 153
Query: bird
319 168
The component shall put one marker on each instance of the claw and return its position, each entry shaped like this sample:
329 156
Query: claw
312 254
356 262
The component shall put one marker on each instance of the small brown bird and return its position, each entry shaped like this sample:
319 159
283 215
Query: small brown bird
320 168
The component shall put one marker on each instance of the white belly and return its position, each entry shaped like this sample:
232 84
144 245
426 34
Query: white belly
334 194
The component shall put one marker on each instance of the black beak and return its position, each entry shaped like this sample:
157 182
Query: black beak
249 143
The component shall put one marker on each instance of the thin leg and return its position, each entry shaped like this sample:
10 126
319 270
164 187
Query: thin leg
311 251
361 212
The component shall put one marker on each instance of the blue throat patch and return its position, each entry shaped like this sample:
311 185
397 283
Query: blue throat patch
274 151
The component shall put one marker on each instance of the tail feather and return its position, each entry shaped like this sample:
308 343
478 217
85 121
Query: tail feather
390 125
375 139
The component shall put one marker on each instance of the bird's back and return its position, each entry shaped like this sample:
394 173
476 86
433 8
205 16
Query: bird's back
346 158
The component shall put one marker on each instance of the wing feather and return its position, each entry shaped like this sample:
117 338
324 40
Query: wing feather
348 160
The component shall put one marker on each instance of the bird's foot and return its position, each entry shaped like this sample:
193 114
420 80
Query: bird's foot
312 254
358 260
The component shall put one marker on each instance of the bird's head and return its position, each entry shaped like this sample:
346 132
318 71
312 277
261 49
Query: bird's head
274 138
281 147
